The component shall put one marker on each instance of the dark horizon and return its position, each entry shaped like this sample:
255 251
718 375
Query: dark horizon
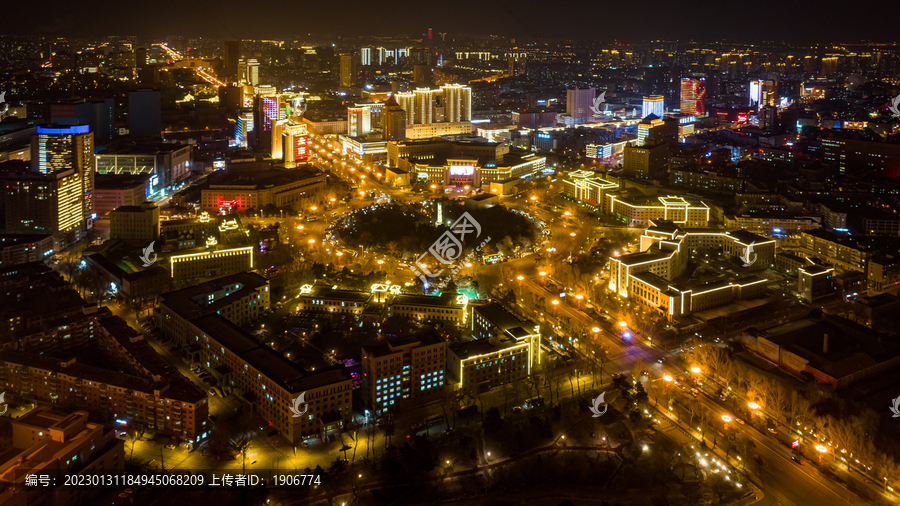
528 19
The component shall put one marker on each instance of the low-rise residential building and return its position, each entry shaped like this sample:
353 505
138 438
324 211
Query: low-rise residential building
271 384
46 443
135 223
23 248
241 298
112 191
175 407
406 371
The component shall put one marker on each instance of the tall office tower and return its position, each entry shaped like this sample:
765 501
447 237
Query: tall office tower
97 114
421 75
365 56
457 101
768 118
348 74
424 108
755 94
296 144
763 93
244 128
579 102
693 90
407 102
393 121
267 111
829 66
232 56
653 105
56 197
401 53
359 120
511 66
144 113
253 72
380 56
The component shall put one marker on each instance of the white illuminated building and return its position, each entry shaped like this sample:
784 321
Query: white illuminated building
648 276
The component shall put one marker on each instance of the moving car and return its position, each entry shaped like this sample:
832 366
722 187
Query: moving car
773 431
795 459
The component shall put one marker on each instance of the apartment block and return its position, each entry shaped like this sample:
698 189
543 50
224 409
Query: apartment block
270 383
405 371
240 298
45 443
173 407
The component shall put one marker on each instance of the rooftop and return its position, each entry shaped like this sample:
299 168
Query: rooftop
263 358
194 301
850 348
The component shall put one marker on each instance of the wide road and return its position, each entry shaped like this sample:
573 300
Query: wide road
786 482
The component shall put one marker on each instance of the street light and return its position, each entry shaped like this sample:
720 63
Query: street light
726 419
578 298
519 277
542 273
623 324
555 303
822 449
379 264
695 370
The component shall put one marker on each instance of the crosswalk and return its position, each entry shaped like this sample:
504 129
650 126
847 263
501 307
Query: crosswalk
780 499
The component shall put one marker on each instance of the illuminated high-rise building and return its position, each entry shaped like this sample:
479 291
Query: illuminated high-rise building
579 102
348 70
393 121
693 90
359 120
244 127
295 144
424 106
653 105
763 93
457 101
56 195
407 102
365 56
829 66
268 109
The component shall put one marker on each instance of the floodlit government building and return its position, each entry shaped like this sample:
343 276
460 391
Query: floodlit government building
649 276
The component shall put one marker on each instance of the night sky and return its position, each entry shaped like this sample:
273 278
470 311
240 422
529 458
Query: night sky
802 21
